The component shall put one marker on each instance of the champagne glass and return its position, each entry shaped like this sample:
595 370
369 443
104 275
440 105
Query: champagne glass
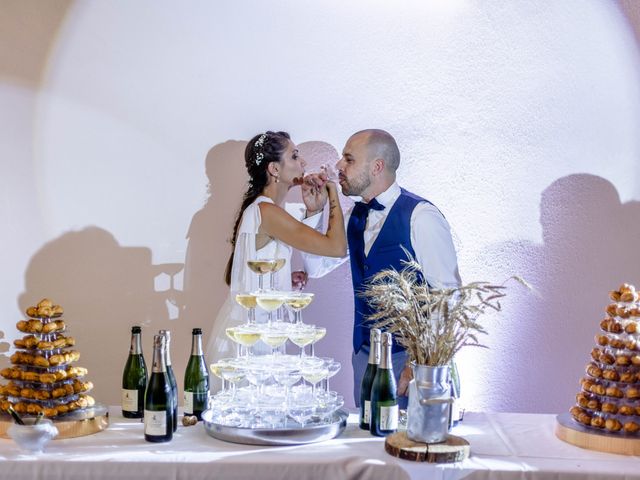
287 377
249 303
313 372
261 267
302 335
280 262
230 331
274 336
302 408
296 302
231 370
270 301
320 332
246 336
333 368
224 394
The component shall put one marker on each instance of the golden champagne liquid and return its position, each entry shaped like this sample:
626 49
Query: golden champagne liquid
232 374
320 333
315 376
298 303
270 303
262 266
246 339
274 339
302 339
279 264
216 369
246 300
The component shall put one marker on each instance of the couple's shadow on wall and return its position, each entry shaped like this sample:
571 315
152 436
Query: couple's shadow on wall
105 288
590 246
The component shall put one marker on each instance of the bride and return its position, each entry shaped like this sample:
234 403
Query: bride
264 229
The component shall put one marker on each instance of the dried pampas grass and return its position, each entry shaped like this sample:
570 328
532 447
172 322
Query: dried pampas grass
432 325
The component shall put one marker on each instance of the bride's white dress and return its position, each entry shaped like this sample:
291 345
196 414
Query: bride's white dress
244 280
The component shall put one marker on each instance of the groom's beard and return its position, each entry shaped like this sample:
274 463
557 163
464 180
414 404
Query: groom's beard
356 185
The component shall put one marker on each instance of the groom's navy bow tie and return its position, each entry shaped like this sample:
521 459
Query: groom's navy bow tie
361 209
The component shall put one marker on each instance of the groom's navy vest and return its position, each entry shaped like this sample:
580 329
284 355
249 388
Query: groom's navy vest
386 252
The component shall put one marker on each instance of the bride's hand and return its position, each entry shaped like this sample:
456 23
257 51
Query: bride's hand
314 192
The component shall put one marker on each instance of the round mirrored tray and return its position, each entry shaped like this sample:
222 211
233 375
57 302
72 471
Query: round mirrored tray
291 434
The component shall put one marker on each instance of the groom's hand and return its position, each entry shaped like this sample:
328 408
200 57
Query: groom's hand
314 192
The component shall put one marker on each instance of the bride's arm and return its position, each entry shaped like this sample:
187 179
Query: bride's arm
277 223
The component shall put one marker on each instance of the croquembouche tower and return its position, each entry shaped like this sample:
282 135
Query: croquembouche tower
43 379
606 415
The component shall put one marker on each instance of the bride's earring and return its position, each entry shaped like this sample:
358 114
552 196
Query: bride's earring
277 178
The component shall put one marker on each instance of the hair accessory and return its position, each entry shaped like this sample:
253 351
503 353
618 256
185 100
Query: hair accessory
259 157
260 141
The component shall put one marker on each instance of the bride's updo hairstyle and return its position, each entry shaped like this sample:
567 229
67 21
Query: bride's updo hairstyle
261 150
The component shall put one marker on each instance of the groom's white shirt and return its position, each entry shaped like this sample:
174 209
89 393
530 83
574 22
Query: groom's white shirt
430 238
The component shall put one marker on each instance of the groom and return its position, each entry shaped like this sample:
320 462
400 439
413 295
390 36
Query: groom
387 219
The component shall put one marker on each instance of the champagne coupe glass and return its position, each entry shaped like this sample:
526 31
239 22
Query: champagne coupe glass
230 332
302 407
333 367
270 301
249 303
257 374
232 371
313 372
280 262
247 336
224 394
296 302
274 336
261 267
287 377
320 332
302 335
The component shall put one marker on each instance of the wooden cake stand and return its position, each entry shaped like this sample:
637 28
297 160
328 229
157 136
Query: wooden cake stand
76 424
570 431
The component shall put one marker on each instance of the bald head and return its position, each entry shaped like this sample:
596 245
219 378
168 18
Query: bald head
381 144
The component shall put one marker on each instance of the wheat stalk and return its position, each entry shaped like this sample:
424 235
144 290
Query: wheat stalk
432 325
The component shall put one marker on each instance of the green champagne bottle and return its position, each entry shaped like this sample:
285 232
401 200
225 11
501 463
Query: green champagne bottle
384 396
134 378
196 379
172 379
158 407
367 379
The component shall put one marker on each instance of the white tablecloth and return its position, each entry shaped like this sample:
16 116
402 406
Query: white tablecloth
503 446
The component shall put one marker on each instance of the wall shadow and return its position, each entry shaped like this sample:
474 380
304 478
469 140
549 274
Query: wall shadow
105 288
208 246
589 248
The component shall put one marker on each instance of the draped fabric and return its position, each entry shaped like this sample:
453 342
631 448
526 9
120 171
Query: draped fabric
244 280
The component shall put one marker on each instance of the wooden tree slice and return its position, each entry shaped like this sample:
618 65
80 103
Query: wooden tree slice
455 449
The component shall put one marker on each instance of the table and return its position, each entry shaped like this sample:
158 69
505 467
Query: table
503 446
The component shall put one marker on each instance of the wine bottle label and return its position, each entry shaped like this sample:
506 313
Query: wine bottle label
388 418
155 422
366 416
129 400
188 403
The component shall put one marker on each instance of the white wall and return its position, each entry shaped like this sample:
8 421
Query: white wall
518 119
